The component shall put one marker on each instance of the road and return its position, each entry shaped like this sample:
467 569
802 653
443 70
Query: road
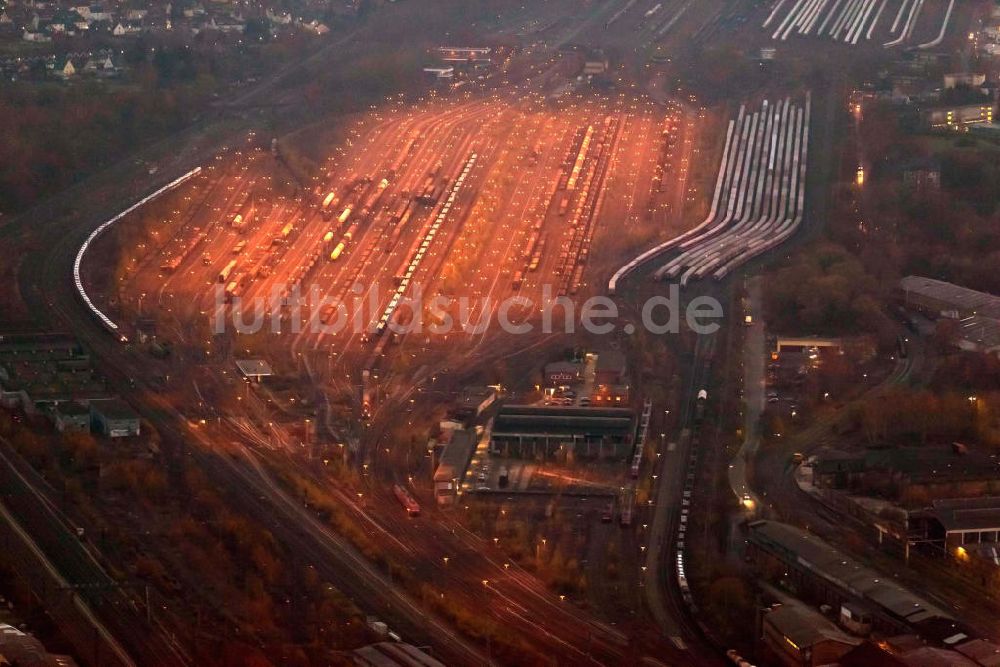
754 366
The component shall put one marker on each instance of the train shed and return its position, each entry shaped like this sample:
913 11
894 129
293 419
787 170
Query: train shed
532 431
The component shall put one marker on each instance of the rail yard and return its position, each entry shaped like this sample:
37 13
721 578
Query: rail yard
475 198
412 340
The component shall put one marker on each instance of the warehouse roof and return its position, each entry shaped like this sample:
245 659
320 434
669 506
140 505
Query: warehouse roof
254 368
958 297
969 514
113 408
869 653
842 571
39 343
393 654
983 331
935 462
928 656
983 652
455 456
558 419
70 408
805 627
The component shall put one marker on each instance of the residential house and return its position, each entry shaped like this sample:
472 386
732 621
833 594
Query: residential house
315 27
127 28
284 18
64 68
227 24
64 22
106 65
99 13
31 35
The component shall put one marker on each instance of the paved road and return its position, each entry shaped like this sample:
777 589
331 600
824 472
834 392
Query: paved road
753 396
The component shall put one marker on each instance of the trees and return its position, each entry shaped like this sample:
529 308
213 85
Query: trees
823 290
896 228
728 604
53 135
906 416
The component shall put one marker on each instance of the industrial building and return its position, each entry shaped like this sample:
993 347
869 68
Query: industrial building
910 651
938 298
531 431
254 369
464 54
19 648
796 635
930 471
71 417
473 402
967 521
958 117
41 370
114 418
802 345
440 74
452 451
41 345
392 654
977 313
825 575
